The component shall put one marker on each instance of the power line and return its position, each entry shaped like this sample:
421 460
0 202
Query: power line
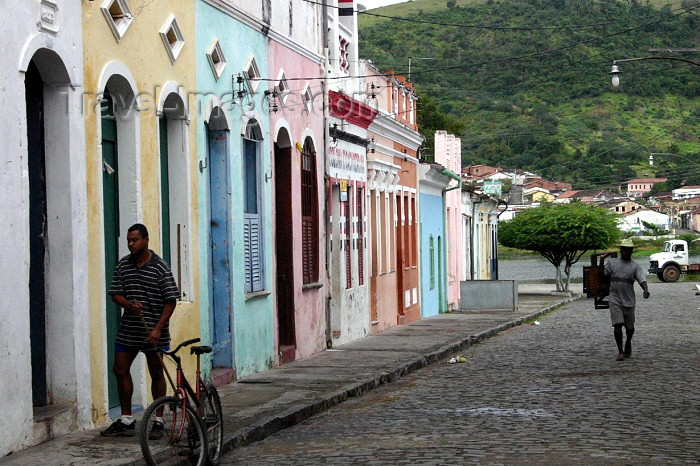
498 28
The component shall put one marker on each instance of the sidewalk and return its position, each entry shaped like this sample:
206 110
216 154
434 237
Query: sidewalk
264 403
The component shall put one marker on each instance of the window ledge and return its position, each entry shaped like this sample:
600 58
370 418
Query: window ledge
257 294
312 286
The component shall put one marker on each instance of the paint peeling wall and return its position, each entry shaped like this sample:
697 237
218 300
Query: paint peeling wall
50 36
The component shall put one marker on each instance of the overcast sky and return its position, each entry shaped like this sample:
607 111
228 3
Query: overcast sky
376 3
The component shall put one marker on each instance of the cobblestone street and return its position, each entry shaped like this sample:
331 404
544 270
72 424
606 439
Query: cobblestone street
551 393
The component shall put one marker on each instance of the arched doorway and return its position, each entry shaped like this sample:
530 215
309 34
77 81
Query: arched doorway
218 140
284 247
120 194
52 209
175 191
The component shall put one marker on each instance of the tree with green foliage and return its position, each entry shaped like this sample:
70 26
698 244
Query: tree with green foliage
561 233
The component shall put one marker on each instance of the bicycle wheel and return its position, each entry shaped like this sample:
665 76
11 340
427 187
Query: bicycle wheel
214 424
184 440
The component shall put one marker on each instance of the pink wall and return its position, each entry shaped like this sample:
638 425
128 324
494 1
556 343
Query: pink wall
448 153
309 304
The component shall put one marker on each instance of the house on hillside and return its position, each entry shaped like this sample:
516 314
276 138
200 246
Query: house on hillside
638 187
622 206
537 194
634 221
553 187
480 170
686 192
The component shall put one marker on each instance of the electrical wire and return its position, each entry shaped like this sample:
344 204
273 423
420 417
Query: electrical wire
500 28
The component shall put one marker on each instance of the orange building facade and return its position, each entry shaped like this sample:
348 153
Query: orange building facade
392 199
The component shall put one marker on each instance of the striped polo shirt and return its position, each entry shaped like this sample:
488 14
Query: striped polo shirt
151 285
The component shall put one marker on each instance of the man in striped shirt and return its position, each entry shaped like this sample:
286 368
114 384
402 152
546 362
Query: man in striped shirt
144 287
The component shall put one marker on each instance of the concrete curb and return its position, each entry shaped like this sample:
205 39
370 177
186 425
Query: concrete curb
298 413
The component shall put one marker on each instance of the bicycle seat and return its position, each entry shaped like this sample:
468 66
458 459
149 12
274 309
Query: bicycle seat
200 349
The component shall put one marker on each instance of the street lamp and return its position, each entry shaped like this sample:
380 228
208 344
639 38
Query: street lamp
615 72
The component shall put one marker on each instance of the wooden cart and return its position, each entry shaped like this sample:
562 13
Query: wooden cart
595 284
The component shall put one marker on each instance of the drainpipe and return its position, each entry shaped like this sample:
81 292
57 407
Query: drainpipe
327 184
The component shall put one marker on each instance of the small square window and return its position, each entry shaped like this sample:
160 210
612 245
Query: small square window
216 58
308 99
282 87
172 38
118 16
252 75
343 57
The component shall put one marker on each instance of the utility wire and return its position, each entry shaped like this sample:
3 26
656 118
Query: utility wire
500 28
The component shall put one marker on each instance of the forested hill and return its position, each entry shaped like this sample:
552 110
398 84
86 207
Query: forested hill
525 84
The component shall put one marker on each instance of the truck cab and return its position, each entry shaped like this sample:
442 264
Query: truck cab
669 264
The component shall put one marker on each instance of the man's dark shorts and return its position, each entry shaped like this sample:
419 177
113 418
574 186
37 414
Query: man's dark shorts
622 315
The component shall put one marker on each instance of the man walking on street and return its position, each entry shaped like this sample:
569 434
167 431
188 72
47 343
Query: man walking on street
144 287
623 272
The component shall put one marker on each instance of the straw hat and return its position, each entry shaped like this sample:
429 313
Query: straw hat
626 243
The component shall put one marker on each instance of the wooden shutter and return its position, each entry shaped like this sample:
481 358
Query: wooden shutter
309 214
360 242
253 254
348 240
252 226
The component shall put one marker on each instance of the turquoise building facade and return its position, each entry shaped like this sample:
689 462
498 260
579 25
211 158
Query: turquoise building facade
433 271
234 193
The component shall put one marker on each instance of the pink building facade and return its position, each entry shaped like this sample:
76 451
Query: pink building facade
296 127
448 153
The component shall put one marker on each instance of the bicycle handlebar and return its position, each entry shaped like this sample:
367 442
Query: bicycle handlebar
184 343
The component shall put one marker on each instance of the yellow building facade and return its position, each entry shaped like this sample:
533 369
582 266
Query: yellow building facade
141 166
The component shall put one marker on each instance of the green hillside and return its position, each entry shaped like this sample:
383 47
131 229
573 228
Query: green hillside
526 84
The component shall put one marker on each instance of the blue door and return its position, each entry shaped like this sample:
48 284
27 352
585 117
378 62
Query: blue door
220 234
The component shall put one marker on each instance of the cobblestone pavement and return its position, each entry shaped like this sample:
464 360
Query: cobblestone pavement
548 394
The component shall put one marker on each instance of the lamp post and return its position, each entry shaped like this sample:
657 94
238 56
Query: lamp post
615 72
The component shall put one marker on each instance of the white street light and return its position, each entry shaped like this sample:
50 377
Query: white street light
615 72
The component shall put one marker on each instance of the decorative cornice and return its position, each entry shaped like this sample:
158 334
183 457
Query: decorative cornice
394 153
389 127
265 29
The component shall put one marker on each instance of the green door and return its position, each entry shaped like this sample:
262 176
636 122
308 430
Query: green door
110 201
165 191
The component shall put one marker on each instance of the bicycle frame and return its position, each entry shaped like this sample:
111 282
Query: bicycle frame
183 390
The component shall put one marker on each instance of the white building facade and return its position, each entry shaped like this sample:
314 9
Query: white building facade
43 294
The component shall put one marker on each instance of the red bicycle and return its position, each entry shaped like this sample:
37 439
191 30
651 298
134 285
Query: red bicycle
186 428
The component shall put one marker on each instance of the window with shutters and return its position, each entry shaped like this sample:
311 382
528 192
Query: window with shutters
360 238
252 205
348 240
309 213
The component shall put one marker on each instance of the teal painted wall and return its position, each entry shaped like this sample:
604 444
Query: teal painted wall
253 319
432 222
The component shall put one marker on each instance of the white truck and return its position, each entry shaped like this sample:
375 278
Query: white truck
672 262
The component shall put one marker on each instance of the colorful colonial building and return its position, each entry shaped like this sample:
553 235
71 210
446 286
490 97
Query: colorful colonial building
448 153
45 310
392 174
